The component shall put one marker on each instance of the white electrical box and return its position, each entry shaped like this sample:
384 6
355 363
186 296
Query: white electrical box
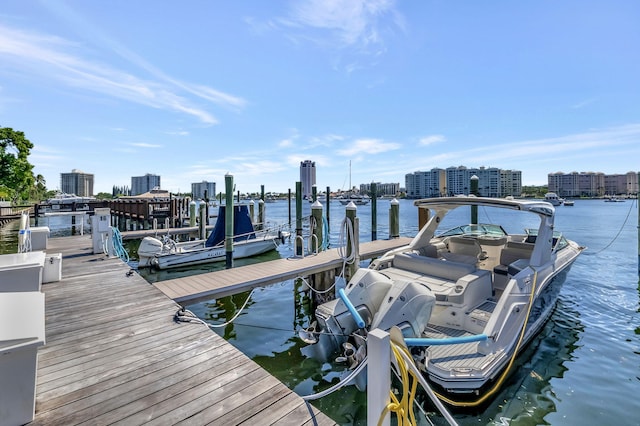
52 271
100 230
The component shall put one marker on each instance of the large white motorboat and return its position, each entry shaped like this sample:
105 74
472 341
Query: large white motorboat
467 300
165 253
553 198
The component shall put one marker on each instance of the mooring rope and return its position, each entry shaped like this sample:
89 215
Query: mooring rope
620 230
185 315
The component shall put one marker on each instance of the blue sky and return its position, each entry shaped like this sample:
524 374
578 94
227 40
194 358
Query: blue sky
193 90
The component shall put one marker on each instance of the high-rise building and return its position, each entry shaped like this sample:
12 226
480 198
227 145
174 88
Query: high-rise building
197 190
77 182
142 184
492 182
388 189
307 177
592 184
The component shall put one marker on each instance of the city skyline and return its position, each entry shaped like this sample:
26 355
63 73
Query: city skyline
196 91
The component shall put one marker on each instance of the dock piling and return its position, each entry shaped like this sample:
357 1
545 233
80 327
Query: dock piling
228 228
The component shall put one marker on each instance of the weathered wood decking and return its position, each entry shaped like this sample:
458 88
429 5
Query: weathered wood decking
230 281
113 354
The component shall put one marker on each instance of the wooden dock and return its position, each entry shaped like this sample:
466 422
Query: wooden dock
231 281
114 355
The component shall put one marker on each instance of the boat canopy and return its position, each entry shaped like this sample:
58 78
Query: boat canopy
242 226
542 208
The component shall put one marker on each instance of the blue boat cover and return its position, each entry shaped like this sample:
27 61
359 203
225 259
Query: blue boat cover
242 225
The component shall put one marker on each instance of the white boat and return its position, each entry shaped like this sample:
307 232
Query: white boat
568 203
613 199
552 197
166 253
467 300
357 200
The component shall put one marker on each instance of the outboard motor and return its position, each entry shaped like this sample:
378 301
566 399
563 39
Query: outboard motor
149 247
366 290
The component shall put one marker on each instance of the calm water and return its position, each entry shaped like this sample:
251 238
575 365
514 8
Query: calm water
583 369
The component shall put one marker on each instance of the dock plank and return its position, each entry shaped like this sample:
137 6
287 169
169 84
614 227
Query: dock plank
235 280
113 354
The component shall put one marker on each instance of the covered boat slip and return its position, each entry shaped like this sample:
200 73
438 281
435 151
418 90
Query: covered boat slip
113 354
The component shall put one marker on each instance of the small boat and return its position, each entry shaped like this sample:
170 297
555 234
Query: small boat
568 203
467 300
355 199
166 253
552 197
613 200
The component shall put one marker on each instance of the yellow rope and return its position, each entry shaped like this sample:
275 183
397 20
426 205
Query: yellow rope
504 375
404 407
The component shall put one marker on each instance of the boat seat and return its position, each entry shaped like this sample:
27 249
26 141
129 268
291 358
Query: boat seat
438 268
510 253
461 249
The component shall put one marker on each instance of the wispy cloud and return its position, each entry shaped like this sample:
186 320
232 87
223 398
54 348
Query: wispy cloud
432 139
583 103
360 26
48 57
368 146
145 145
555 153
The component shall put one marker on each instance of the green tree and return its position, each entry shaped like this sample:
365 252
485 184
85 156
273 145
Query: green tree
16 173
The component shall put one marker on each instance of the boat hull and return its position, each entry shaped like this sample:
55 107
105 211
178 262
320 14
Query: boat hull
214 254
493 292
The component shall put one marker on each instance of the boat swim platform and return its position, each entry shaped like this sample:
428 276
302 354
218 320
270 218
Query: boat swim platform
114 355
226 282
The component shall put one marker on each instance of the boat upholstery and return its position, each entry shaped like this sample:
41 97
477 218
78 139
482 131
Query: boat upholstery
444 269
462 249
512 252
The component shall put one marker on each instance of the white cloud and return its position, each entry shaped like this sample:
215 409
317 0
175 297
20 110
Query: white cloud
145 145
584 103
53 58
432 139
368 146
359 26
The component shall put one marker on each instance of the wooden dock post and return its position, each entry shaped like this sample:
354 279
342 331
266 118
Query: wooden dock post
474 191
202 224
327 209
261 217
228 227
192 213
299 246
423 216
394 219
252 211
374 211
352 240
315 239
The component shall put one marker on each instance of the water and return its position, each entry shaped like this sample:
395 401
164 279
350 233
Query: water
583 368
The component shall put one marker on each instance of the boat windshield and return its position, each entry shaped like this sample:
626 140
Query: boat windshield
559 241
475 229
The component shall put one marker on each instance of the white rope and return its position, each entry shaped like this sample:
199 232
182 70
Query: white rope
185 315
346 233
342 383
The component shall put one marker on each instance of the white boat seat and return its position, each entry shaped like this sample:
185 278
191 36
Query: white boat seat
461 246
438 268
512 252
